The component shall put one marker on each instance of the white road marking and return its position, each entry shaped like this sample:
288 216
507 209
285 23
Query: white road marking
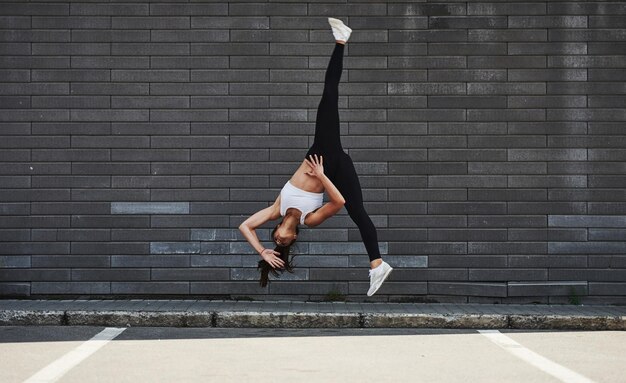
55 370
562 373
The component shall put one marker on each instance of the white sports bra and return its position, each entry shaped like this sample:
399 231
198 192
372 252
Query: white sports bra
305 201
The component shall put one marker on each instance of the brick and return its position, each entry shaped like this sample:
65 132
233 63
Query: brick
505 114
599 288
252 274
409 168
467 260
586 168
550 234
427 194
15 289
547 288
546 101
607 181
395 154
426 114
331 235
15 261
467 154
29 248
466 207
321 260
235 287
342 248
73 155
468 288
508 274
14 209
422 88
15 155
547 154
549 181
149 208
150 288
195 274
541 21
586 221
506 168
108 194
420 248
15 181
506 247
310 287
577 8
577 88
587 194
70 288
110 274
464 101
467 181
21 274
467 48
71 261
605 208
197 9
596 247
151 182
507 221
427 221
605 21
425 274
425 9
506 35
544 261
174 247
469 75
597 114
109 248
390 287
467 234
453 128
595 275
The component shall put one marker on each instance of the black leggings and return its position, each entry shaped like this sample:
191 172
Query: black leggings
338 165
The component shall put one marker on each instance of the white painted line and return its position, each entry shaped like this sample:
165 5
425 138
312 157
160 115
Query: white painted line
562 373
55 370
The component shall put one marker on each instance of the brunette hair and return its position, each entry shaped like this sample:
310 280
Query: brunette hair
266 268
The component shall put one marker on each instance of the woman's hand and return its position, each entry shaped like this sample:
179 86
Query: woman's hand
316 164
272 258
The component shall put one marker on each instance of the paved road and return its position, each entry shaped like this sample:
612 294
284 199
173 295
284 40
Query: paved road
158 354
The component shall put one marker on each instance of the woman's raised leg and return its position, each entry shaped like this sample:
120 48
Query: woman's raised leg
327 131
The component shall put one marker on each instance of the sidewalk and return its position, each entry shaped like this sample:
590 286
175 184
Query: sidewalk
293 314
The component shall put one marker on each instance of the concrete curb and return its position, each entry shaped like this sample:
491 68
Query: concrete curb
245 319
571 322
487 321
31 318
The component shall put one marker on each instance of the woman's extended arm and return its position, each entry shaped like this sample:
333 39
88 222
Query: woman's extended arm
257 219
336 199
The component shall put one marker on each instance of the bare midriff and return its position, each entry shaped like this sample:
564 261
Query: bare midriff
304 181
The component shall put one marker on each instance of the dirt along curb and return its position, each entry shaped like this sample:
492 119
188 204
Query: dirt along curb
277 319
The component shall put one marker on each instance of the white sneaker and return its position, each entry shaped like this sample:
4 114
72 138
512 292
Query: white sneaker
378 276
340 30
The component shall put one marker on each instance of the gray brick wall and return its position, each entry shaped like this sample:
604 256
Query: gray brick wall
489 138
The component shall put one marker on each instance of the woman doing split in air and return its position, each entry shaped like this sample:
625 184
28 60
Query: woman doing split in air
326 167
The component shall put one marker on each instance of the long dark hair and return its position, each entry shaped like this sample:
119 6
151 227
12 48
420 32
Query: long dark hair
266 268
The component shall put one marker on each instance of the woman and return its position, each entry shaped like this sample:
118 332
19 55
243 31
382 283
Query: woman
326 167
